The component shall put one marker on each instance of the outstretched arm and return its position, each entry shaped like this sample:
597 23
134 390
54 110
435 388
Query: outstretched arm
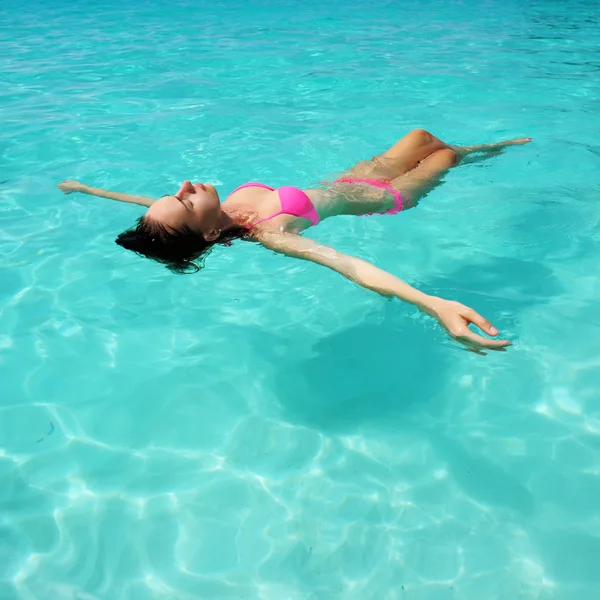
71 186
453 316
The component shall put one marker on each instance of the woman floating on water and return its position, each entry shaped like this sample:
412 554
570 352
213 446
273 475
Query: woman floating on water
181 228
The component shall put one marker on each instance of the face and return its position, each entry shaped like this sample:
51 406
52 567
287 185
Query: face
195 205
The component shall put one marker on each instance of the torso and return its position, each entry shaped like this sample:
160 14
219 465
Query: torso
254 204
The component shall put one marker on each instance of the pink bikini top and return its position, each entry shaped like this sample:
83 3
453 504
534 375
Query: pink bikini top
294 202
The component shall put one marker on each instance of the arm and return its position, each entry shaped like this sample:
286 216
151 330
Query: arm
74 186
453 316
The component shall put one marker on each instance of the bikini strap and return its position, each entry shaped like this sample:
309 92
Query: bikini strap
281 212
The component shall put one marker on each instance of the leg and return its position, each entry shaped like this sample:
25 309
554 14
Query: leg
408 152
429 172
402 157
496 148
427 175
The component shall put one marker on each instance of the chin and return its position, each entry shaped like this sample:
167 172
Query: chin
211 189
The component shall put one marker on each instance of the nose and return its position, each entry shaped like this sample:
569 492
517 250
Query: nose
186 188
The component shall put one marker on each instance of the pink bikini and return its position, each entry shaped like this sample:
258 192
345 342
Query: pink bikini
398 200
293 202
296 203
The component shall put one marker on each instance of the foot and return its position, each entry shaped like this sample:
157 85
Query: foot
488 149
496 146
516 142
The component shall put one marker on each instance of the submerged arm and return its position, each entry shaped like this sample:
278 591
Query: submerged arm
69 187
453 316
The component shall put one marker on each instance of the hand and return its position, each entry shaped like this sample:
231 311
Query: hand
455 318
70 186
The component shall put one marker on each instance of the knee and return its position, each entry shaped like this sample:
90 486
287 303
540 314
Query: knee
448 157
421 136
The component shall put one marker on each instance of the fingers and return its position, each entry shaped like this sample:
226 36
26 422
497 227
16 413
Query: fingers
473 340
478 320
477 340
476 351
68 186
456 318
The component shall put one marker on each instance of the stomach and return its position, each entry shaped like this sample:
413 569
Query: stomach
350 199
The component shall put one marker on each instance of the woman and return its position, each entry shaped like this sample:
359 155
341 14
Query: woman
181 228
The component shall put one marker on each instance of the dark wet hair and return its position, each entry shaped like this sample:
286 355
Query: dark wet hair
181 251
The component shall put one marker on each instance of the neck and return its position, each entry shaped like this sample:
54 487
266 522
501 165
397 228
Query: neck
232 219
225 221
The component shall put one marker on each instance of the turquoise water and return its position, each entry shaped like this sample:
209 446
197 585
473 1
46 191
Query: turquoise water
265 430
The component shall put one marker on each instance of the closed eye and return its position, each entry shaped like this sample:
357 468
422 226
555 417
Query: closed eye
188 206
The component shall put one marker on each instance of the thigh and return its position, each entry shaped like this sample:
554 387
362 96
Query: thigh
401 158
427 175
408 152
378 168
